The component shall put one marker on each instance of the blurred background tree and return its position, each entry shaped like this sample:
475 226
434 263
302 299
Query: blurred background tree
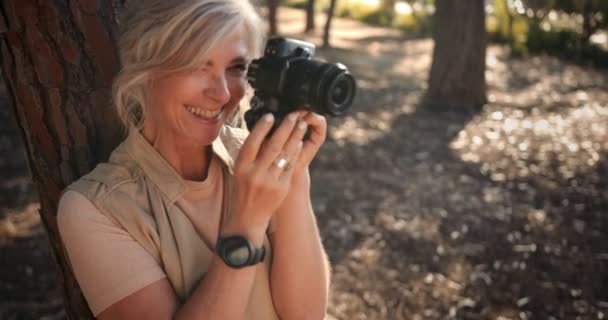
327 29
457 76
272 16
310 16
570 29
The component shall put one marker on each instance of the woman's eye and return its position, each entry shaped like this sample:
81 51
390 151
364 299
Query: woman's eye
240 68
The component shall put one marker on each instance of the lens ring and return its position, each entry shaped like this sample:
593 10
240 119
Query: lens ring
340 92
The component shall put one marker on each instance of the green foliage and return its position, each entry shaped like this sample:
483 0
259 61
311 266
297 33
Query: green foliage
422 25
295 4
356 10
320 5
377 17
549 26
554 42
528 31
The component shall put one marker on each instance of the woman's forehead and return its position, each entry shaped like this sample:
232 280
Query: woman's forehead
233 48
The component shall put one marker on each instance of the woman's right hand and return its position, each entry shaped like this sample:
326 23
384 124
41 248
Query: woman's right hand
260 185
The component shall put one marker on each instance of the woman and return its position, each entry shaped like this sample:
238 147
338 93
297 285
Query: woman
151 233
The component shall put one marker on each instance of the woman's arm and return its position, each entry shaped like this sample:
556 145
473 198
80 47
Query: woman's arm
260 188
300 269
123 281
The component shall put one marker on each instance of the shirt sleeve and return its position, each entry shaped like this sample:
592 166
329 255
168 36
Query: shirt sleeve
107 262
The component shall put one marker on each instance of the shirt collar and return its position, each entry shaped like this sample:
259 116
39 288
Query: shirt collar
158 169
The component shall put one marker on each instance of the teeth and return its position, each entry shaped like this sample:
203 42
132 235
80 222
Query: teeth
205 114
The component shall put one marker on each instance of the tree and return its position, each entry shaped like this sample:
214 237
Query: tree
330 15
273 6
388 6
58 59
310 16
457 76
594 13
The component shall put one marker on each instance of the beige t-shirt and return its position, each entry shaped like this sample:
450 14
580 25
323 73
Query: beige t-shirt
107 262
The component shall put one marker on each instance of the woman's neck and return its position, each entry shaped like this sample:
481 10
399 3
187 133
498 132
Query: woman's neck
191 161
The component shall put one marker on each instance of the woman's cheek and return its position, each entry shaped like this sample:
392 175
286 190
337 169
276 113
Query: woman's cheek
237 91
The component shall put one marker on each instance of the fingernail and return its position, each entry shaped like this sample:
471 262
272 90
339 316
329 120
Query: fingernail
302 125
292 116
268 117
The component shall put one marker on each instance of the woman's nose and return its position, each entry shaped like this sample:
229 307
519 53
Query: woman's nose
218 89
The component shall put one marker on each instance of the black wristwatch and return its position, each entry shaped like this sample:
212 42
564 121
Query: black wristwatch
238 251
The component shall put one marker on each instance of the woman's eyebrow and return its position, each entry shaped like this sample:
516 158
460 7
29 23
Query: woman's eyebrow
240 59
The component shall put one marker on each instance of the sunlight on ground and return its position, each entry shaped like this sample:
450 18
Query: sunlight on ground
538 133
537 141
20 224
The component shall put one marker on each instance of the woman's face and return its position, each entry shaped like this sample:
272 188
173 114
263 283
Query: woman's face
191 106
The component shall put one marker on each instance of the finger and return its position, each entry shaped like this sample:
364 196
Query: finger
251 147
291 148
297 135
273 146
318 129
288 172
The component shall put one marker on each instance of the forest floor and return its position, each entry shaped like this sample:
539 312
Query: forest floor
498 214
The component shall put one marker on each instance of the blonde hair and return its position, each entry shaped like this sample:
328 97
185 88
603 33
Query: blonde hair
164 36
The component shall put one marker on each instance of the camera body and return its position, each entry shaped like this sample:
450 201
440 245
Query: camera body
287 78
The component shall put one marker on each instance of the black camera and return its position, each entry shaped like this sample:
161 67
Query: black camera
287 78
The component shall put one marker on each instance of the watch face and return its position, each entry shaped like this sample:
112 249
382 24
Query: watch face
239 256
236 251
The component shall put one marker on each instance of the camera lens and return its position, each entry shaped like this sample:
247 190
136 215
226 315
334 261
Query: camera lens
338 91
342 91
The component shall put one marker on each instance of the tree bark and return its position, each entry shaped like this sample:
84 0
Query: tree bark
59 59
327 29
457 76
310 16
272 16
389 7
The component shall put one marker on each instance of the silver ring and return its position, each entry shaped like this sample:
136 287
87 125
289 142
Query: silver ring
281 163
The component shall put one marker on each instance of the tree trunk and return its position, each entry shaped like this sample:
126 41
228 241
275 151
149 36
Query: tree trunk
389 7
588 28
58 59
326 30
310 16
457 77
272 16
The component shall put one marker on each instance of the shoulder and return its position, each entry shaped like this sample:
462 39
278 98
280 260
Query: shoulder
106 178
77 214
72 201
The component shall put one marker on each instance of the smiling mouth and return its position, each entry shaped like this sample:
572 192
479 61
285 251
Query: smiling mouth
205 114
